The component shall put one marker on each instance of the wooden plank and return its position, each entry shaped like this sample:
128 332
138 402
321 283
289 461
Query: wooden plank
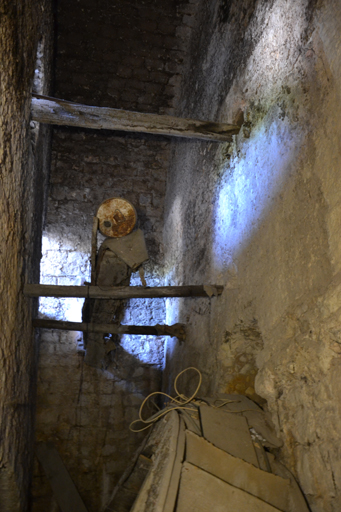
56 111
229 432
62 485
174 483
203 492
266 486
159 476
117 292
263 462
177 330
192 422
256 417
297 502
169 461
94 250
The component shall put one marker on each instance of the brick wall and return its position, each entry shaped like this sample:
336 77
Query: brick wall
122 54
129 55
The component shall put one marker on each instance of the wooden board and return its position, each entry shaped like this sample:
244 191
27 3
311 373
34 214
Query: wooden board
94 249
174 483
266 486
263 462
117 292
61 112
297 502
256 417
64 489
229 432
154 490
202 492
177 330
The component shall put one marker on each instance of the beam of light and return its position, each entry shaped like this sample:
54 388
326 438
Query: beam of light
148 349
62 265
247 189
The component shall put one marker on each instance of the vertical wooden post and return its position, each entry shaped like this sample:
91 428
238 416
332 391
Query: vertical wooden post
94 250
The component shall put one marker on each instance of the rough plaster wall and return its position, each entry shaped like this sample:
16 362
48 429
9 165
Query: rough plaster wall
23 173
123 54
262 217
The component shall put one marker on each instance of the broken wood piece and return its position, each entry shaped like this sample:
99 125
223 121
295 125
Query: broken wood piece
258 419
174 481
266 486
64 489
56 111
203 492
229 432
116 292
153 493
168 458
177 330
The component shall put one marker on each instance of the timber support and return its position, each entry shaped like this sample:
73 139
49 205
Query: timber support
49 110
177 330
121 292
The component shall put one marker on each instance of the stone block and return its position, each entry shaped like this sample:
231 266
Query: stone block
124 72
159 77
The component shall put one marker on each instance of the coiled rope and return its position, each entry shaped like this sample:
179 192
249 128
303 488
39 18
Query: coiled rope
179 402
182 402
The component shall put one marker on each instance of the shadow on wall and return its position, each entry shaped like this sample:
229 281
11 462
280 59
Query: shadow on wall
86 412
67 266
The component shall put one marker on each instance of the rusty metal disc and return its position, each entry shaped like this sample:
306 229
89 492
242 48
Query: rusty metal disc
117 217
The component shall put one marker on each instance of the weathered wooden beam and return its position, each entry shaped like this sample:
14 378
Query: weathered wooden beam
177 330
121 292
55 111
94 250
62 485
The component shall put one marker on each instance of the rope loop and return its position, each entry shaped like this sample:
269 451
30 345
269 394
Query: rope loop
180 401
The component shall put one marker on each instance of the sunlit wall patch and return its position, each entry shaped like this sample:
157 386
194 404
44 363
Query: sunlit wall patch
147 349
247 188
60 266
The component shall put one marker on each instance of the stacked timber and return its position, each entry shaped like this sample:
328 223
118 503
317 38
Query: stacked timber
215 459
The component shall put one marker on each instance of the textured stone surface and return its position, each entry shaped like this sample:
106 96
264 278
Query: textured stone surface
23 173
86 412
120 54
262 217
128 55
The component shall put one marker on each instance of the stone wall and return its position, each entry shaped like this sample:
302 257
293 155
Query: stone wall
262 217
23 172
125 54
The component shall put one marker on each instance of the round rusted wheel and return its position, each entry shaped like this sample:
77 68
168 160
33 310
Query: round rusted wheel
117 217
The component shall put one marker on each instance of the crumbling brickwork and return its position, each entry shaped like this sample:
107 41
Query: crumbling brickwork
127 55
120 54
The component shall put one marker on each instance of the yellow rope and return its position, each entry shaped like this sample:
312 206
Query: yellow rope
180 400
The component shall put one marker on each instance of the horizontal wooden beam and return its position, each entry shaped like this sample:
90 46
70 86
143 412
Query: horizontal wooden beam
177 330
55 111
121 292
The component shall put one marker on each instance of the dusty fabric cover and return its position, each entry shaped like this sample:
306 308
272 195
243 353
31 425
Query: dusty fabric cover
131 248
